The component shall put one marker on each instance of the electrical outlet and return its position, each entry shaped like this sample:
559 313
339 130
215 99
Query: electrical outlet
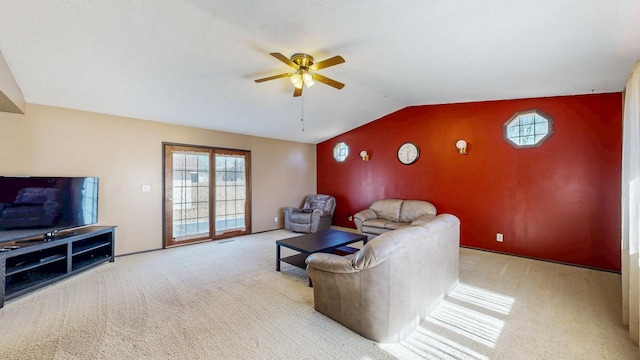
499 237
275 219
146 188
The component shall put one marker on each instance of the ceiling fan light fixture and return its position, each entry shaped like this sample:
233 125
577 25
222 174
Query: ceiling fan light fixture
296 80
307 77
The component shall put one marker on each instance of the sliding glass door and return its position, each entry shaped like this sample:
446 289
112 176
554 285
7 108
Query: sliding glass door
231 195
202 205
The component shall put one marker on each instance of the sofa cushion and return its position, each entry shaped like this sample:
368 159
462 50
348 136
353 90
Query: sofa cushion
383 225
413 209
395 225
379 223
387 209
374 230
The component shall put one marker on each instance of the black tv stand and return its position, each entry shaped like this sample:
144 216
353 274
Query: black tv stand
29 264
57 236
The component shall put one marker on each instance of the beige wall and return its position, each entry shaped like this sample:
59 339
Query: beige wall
126 153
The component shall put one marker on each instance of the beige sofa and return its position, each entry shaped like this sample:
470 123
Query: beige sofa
392 214
388 287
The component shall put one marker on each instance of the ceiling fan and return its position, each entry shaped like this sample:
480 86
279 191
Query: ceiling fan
305 71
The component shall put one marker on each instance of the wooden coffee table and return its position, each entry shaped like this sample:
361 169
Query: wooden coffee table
324 241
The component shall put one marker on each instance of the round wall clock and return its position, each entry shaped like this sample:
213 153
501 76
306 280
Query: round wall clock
408 153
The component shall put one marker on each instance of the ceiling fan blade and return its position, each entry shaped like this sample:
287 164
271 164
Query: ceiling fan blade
272 77
285 60
326 63
326 80
297 92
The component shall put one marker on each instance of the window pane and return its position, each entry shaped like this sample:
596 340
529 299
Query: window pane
527 129
542 128
190 194
230 186
340 151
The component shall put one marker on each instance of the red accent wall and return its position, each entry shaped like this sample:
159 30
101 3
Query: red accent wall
559 201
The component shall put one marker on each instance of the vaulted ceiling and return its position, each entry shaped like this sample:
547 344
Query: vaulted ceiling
194 62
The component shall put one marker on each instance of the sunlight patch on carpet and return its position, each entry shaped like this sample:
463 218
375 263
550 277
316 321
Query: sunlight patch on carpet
425 344
475 325
487 299
466 315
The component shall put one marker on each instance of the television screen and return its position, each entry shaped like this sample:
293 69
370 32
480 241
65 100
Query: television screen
31 206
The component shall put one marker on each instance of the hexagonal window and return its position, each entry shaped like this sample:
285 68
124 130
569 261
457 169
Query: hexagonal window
340 152
528 128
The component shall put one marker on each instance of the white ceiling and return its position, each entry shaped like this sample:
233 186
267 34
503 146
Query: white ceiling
193 62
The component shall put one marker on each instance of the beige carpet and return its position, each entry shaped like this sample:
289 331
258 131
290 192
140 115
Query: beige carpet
224 300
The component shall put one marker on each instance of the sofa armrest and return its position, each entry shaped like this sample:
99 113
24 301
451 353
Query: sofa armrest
384 246
362 216
365 214
331 263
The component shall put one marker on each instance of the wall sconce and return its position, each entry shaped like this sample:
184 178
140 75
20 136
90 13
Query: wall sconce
364 155
462 147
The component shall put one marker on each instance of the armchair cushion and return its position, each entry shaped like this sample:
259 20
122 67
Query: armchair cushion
302 216
324 203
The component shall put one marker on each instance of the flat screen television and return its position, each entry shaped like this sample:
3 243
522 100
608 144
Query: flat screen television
31 206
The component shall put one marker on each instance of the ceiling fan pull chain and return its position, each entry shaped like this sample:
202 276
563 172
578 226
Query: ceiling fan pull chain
302 112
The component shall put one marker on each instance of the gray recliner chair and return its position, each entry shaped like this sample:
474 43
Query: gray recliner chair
315 215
